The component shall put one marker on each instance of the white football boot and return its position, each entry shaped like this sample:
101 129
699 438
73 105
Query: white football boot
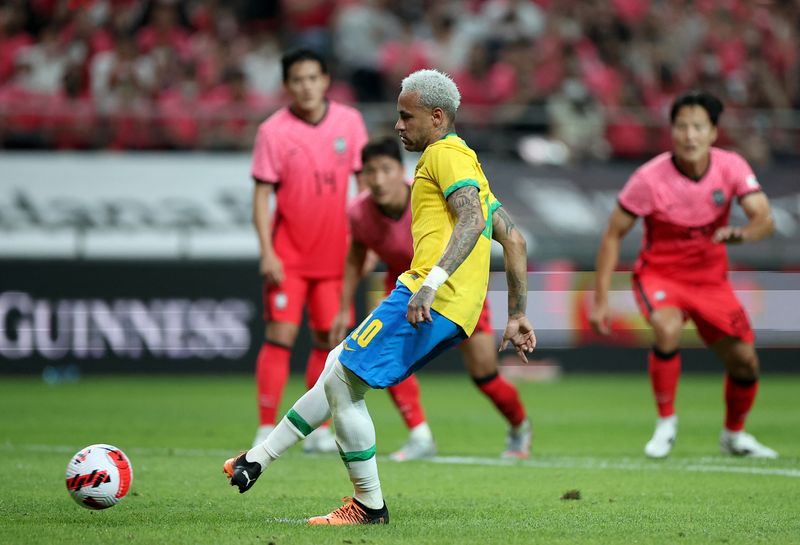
415 449
739 443
660 445
518 441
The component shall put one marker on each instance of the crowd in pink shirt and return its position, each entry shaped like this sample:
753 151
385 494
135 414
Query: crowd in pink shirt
201 74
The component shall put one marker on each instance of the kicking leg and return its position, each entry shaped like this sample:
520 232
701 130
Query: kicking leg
308 412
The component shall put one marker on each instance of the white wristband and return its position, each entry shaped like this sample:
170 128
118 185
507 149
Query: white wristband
436 278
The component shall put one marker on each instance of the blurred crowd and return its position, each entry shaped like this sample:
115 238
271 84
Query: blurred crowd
595 77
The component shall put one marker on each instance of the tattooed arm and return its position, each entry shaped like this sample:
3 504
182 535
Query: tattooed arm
515 253
466 206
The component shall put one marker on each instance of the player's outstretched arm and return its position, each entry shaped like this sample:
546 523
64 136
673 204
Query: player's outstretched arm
619 223
519 331
270 266
466 205
760 224
353 273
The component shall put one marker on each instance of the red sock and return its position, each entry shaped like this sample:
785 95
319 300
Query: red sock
315 365
665 370
739 397
406 398
504 396
272 372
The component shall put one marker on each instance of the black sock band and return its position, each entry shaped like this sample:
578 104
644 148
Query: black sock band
743 381
484 380
279 345
664 355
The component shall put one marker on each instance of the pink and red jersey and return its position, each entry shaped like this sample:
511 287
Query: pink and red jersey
310 164
681 214
387 237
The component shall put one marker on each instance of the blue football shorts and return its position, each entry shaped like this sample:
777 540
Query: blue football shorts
385 349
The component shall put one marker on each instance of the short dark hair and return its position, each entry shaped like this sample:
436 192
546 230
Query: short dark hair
387 146
291 58
710 103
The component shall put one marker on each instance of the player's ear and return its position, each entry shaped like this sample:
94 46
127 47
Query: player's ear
438 117
713 134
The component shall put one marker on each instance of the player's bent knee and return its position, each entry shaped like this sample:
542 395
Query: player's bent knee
478 369
320 340
745 367
667 341
667 330
281 333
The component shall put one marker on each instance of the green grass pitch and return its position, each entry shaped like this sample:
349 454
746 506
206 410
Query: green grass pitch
590 431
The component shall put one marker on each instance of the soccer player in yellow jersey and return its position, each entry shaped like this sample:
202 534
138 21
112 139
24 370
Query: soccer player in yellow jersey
435 305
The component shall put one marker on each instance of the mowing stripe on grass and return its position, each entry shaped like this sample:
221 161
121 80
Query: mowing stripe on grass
692 465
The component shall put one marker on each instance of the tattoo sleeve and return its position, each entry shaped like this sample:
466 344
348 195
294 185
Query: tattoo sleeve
515 255
466 205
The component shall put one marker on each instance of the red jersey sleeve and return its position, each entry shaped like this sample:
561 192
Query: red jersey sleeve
636 197
266 167
742 177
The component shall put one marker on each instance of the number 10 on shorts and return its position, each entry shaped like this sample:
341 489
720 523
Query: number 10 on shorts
365 332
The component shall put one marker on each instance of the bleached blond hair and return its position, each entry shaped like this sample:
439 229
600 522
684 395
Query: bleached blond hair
436 90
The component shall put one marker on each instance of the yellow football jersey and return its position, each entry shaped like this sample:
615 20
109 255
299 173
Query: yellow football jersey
444 167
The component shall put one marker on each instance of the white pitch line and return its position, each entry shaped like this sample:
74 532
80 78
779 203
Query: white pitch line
693 465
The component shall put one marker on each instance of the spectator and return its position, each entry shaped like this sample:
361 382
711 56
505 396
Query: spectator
13 37
359 51
576 120
746 53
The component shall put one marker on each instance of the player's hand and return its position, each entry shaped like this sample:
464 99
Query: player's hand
729 235
272 269
419 306
339 327
519 332
600 319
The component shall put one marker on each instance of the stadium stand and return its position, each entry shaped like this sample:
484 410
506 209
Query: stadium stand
200 74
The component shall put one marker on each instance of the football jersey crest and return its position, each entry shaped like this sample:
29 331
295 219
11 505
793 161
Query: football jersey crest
719 197
340 145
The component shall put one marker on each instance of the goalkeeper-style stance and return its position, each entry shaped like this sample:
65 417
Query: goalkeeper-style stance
435 305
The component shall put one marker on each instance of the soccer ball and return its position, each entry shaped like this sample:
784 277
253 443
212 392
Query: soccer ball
99 476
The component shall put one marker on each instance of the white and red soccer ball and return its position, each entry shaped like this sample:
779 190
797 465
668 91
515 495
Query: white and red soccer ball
99 476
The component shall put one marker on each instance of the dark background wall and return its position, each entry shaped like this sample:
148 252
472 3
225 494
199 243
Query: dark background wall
205 317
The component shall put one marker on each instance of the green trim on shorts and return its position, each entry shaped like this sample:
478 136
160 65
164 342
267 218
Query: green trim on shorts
358 456
299 422
461 183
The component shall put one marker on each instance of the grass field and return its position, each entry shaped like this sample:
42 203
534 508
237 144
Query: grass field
590 431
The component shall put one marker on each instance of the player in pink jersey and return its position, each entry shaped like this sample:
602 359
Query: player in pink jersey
685 200
304 155
380 220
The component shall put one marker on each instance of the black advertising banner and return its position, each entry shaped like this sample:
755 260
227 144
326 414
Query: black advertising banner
169 316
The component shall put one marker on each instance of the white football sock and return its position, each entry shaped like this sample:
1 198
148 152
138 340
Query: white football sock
306 415
355 433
